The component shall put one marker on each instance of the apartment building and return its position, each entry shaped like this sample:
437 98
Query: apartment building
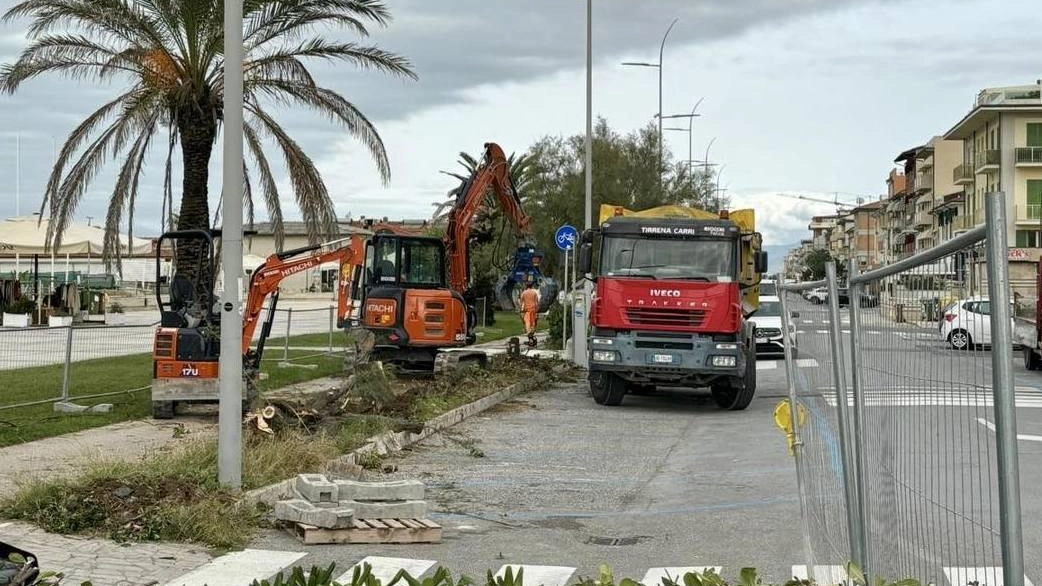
1001 140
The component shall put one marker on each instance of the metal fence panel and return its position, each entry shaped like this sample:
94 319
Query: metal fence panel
926 437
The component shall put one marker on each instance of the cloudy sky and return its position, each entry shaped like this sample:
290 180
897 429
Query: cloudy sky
802 96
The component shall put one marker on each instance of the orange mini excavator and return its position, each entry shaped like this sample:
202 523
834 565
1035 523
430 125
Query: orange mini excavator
419 301
186 350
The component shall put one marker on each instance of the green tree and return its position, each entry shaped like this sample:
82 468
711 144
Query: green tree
171 52
815 262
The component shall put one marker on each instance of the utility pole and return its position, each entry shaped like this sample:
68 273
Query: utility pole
589 115
229 438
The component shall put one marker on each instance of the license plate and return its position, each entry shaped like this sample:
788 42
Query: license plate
761 340
663 359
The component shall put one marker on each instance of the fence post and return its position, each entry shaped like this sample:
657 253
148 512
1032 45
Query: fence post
332 326
797 439
68 365
846 438
854 292
285 342
1011 535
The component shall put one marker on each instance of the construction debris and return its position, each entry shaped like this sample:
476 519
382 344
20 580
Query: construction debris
335 504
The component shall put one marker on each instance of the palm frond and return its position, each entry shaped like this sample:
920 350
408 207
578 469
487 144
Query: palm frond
269 188
124 195
316 207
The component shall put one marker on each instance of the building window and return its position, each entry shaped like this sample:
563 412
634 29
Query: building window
1034 210
1027 239
1034 134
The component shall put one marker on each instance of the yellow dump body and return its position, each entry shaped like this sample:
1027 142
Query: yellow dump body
751 241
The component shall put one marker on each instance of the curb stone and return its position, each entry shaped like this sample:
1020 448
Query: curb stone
391 442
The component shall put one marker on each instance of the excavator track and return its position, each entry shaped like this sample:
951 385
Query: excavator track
446 362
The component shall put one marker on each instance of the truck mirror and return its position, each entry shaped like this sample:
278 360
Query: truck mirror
761 261
585 258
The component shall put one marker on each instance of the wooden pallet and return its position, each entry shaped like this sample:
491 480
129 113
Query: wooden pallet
370 531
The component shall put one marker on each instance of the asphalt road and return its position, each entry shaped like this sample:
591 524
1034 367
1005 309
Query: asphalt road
669 480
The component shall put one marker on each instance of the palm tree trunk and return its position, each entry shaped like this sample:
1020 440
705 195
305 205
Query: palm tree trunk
197 128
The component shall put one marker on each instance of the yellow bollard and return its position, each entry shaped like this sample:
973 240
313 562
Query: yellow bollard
783 419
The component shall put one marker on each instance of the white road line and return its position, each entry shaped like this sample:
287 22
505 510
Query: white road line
655 576
992 576
1020 436
930 401
807 363
385 569
773 364
541 575
236 568
821 331
822 574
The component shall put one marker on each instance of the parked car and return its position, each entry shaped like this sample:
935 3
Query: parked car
768 323
768 288
966 323
817 295
867 299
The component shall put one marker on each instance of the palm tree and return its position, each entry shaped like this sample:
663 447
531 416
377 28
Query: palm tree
522 170
171 51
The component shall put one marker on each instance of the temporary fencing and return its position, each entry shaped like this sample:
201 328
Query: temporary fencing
905 431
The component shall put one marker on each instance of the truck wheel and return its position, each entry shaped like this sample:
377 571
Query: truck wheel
163 409
607 388
1031 359
737 395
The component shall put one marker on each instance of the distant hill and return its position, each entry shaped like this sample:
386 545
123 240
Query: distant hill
776 255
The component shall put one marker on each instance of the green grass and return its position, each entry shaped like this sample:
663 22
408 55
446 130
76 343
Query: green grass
508 323
175 493
274 346
118 374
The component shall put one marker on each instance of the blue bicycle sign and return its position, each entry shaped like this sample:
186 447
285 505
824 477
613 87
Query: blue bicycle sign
567 237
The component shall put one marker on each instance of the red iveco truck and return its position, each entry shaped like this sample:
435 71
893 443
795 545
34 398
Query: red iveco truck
674 290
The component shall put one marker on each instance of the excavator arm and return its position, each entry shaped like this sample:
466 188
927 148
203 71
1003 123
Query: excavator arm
348 252
493 172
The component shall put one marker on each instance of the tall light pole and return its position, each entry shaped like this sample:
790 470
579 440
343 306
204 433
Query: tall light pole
589 115
690 120
661 51
229 419
718 191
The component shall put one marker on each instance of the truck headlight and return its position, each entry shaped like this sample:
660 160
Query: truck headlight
724 361
603 341
603 356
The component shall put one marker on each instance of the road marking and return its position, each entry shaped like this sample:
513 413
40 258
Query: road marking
385 569
1020 436
822 574
773 364
807 363
656 576
542 575
233 568
935 398
821 331
991 576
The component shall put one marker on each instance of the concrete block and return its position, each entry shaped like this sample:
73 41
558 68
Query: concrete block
316 488
66 407
387 510
397 490
301 511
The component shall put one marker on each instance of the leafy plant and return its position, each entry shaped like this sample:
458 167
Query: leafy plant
555 322
20 306
507 579
315 577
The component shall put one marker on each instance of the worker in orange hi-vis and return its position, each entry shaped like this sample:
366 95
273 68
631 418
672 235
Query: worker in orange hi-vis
530 310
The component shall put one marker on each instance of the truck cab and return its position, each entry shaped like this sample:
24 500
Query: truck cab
668 308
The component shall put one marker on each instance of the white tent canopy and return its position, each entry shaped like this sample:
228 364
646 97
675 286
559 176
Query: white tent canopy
27 235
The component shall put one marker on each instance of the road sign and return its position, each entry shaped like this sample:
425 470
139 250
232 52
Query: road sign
566 237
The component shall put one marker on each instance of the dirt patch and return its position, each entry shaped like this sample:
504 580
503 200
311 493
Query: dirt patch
515 406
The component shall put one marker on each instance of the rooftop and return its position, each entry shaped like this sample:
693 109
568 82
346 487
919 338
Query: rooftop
991 102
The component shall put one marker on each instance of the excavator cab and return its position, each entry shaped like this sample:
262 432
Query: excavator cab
187 345
408 304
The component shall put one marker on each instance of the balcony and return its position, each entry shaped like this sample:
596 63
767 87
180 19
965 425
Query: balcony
962 224
923 219
963 175
923 183
986 161
1029 157
1029 213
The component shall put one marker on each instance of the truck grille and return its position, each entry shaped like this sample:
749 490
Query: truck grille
655 316
767 332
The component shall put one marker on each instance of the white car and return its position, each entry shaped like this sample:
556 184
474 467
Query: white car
817 295
967 323
768 323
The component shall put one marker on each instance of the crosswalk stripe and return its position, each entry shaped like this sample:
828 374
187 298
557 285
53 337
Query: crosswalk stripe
1020 436
540 575
773 364
385 569
230 569
806 363
991 576
822 574
933 401
655 576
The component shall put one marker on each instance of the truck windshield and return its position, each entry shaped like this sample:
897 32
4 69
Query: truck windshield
660 258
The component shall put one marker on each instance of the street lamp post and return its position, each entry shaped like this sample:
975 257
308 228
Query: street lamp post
690 120
661 52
